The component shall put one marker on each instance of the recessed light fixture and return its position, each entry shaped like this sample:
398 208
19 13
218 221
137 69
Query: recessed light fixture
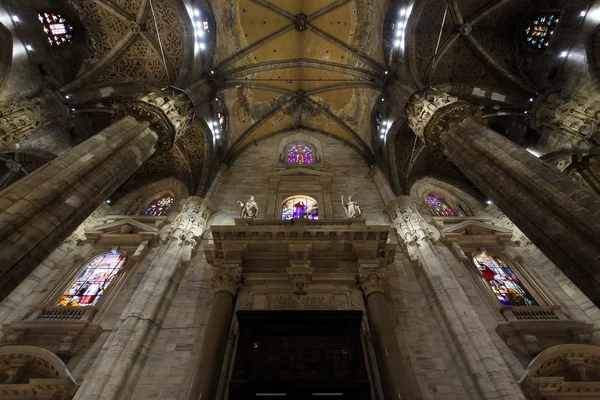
15 18
564 54
583 13
28 47
197 12
489 202
108 201
212 72
202 46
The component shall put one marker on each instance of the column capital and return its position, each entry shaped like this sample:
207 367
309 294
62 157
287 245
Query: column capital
226 278
168 116
408 222
191 222
25 117
372 277
578 118
429 112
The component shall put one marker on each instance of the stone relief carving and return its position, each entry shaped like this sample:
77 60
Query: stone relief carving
190 223
351 208
372 279
226 279
249 209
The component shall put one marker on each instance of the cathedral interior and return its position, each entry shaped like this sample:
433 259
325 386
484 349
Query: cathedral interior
299 199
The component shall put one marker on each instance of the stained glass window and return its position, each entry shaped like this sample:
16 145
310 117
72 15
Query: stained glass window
540 31
159 207
300 153
440 208
57 29
300 207
503 281
91 283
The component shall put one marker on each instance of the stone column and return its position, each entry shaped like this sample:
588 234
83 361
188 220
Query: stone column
573 120
560 217
394 374
25 117
39 211
490 376
125 352
225 283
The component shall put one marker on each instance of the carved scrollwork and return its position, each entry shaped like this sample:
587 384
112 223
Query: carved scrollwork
169 117
429 113
372 279
190 223
226 279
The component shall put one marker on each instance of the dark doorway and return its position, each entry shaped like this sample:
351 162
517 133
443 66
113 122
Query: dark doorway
299 355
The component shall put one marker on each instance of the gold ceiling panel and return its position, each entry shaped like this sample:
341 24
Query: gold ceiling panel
321 66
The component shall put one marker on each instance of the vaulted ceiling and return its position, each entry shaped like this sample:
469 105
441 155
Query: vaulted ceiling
304 64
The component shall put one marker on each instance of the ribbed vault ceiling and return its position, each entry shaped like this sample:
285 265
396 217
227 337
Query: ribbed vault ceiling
314 64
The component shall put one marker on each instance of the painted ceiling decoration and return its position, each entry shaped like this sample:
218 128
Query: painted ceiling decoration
308 64
122 44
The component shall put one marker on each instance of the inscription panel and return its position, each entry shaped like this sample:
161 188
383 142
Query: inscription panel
300 302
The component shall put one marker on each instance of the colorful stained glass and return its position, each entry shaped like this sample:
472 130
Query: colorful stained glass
541 30
160 206
57 29
92 282
300 207
503 281
439 208
300 153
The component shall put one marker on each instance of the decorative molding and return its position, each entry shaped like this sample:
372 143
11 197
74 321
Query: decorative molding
226 279
168 116
429 112
372 279
23 118
190 223
300 274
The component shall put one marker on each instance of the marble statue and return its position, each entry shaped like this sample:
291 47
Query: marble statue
249 208
351 208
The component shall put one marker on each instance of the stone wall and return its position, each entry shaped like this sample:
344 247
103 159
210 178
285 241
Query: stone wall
247 177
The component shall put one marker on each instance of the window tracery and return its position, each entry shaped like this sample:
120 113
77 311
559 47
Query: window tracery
300 207
300 153
503 282
541 30
440 207
91 283
57 29
159 207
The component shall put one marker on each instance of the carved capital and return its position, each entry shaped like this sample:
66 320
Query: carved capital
226 279
168 116
372 279
429 113
576 118
25 117
300 275
408 222
190 223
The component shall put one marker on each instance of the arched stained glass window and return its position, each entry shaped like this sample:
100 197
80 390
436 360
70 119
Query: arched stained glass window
300 207
159 207
300 153
502 280
439 207
91 283
540 31
57 29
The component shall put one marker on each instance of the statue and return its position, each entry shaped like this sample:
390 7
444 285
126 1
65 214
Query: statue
352 208
249 208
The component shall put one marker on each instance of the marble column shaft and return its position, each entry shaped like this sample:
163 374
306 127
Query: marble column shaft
38 212
560 217
125 352
43 208
205 377
491 377
394 374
